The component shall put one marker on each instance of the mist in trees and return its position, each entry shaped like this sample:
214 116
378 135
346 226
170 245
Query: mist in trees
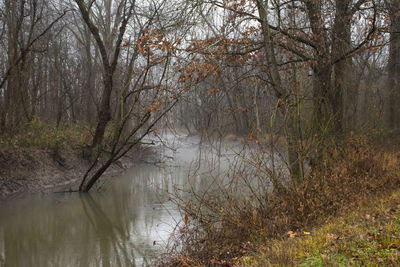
313 72
306 71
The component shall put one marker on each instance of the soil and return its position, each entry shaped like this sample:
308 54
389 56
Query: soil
31 170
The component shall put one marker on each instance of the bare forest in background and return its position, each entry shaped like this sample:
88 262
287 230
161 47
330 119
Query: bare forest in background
306 74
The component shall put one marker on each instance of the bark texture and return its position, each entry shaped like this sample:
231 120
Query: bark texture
394 65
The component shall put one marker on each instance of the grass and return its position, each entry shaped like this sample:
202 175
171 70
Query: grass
366 236
38 134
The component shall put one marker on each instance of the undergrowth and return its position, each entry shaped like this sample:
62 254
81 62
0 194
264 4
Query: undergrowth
365 236
46 135
224 228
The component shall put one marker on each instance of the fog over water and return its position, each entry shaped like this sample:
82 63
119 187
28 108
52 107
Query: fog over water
128 222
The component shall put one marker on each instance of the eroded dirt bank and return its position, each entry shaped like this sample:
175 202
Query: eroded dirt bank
32 170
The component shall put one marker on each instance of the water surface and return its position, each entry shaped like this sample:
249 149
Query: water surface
127 224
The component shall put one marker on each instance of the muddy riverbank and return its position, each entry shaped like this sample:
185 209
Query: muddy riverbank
31 170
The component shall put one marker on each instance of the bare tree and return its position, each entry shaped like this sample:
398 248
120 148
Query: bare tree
144 92
24 20
109 56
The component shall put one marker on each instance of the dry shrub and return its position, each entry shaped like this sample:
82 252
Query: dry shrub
224 226
348 175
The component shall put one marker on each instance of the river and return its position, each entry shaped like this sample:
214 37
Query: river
127 223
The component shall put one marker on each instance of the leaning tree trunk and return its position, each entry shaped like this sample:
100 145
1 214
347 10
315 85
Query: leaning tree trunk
109 57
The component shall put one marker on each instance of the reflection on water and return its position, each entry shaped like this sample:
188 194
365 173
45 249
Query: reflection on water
124 226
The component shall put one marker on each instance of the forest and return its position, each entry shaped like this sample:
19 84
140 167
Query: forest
310 87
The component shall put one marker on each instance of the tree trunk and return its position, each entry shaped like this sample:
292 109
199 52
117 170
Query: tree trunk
328 102
344 86
109 67
14 22
104 111
394 66
281 93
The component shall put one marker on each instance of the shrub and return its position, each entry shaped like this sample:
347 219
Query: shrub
224 224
